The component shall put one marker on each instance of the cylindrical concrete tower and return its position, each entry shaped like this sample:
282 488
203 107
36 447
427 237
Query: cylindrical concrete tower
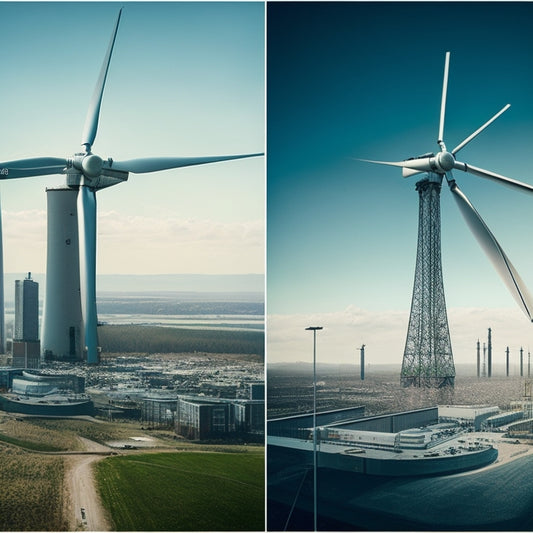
62 321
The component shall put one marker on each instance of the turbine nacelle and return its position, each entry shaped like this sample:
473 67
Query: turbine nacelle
441 163
92 171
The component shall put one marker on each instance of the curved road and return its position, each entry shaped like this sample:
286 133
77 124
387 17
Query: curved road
81 490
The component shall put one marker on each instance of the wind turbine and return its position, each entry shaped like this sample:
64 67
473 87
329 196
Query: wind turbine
427 356
87 173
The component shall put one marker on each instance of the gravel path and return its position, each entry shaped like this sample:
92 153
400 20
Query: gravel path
84 509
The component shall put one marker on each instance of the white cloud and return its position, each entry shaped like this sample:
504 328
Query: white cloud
24 240
145 245
141 245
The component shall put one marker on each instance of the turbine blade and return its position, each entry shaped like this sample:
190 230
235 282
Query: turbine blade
87 248
153 164
407 172
478 131
440 139
11 173
33 166
494 252
498 178
417 165
93 113
35 162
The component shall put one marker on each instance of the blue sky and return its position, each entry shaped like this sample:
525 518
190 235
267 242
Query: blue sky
185 79
364 80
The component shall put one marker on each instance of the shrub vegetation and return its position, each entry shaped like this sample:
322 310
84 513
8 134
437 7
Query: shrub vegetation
156 339
70 429
30 435
31 492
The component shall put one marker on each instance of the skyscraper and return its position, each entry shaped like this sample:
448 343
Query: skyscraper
26 310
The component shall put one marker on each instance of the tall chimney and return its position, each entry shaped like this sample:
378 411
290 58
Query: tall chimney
362 362
507 362
489 362
478 359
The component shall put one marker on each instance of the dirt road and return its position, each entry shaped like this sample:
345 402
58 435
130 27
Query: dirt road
84 510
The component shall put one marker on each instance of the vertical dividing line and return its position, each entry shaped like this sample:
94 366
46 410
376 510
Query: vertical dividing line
314 433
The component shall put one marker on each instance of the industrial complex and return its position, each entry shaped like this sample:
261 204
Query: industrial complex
190 394
355 452
437 440
123 392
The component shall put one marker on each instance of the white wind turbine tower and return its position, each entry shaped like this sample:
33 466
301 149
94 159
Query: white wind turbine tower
428 356
70 317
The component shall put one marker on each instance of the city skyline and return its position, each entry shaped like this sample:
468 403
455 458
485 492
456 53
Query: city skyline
185 79
364 80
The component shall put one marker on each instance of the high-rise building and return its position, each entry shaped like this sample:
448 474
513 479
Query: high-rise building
26 310
26 348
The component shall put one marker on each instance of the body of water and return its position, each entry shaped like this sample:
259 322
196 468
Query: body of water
241 322
224 322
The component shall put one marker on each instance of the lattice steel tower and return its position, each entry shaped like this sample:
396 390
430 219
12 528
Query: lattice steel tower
428 358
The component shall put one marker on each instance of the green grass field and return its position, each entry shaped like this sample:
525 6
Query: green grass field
184 491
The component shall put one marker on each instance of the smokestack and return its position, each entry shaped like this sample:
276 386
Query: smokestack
484 360
489 362
362 362
507 361
521 362
478 359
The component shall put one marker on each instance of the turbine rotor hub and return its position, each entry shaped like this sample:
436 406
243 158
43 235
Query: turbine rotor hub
445 161
91 165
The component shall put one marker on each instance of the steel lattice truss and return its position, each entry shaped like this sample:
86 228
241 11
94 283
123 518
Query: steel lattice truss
428 358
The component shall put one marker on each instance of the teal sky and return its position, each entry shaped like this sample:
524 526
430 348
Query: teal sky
363 80
186 78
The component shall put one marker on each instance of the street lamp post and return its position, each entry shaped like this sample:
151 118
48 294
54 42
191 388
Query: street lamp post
314 329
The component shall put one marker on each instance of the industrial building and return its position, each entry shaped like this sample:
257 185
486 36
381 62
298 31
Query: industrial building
37 384
200 418
420 442
159 412
293 426
468 415
43 394
7 374
257 390
25 354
